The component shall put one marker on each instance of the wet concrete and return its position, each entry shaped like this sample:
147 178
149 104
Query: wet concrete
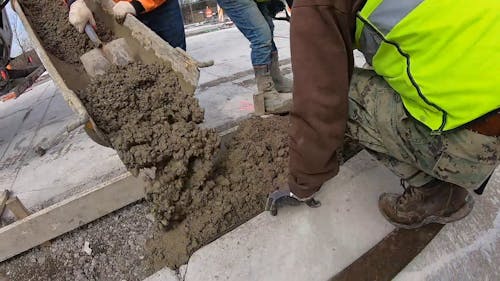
50 20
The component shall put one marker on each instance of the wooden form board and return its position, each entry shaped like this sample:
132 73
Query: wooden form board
17 208
69 214
4 195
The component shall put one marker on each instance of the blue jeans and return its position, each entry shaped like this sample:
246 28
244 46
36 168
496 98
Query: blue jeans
254 21
167 22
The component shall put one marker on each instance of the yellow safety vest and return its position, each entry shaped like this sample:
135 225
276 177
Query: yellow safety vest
441 56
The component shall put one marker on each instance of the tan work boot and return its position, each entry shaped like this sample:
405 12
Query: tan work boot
273 102
281 83
435 202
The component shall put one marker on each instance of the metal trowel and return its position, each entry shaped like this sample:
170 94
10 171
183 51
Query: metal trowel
98 60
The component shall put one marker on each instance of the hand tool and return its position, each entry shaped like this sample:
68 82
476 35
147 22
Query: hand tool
98 60
280 198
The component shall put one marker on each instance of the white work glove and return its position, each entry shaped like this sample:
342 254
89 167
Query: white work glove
80 15
121 9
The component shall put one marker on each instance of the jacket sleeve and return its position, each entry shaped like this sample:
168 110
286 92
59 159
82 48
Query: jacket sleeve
322 63
146 5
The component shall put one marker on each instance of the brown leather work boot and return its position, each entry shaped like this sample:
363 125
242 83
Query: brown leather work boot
435 202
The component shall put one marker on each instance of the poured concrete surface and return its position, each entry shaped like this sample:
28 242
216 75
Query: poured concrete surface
467 249
72 166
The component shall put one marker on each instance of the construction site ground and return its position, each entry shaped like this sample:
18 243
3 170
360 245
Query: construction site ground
299 244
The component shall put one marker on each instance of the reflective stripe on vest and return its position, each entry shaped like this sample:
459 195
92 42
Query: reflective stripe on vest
439 55
387 14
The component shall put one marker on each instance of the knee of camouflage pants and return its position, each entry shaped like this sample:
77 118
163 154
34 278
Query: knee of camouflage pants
378 120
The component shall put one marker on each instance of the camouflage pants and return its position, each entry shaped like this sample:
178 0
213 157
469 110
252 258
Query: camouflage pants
379 122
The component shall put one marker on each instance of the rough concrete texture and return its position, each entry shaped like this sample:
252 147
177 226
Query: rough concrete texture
302 243
253 164
466 249
49 18
153 125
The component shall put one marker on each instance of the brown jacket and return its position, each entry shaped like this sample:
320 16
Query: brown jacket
322 32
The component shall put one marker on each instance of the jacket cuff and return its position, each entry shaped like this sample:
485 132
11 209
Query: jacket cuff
139 8
301 191
69 2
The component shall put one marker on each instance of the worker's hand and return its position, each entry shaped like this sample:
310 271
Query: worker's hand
121 9
284 197
80 15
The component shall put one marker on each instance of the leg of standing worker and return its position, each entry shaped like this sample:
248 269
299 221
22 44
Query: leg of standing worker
265 13
249 19
436 168
167 22
281 83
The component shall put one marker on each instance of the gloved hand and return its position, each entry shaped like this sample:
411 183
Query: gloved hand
121 9
284 196
80 15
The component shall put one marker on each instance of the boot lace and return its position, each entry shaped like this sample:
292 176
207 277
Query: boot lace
410 194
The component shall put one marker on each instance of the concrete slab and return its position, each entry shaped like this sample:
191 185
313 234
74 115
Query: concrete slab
165 274
9 125
222 105
467 249
73 166
27 123
301 243
58 110
230 51
67 169
41 91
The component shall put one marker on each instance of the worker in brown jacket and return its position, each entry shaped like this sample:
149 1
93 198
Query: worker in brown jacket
411 112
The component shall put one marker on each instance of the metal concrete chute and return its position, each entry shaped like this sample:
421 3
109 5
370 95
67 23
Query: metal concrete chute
146 46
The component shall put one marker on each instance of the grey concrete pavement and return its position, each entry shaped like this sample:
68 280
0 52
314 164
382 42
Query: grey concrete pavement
165 274
73 165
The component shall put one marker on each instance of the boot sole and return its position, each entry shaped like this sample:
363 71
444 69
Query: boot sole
458 215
